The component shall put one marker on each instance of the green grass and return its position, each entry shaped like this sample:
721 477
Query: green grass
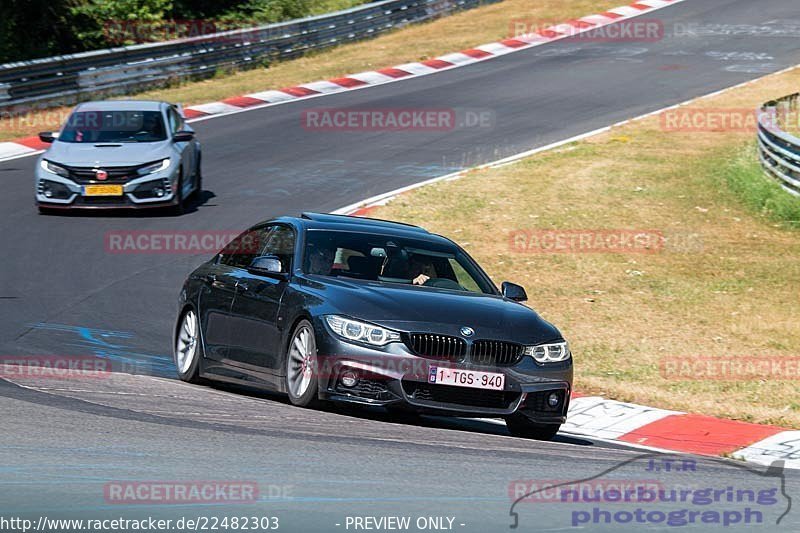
321 7
741 171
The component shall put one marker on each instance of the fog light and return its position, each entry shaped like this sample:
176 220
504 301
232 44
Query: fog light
52 189
553 399
349 379
159 192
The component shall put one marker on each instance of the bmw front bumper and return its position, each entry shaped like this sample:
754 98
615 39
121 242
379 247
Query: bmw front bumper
394 376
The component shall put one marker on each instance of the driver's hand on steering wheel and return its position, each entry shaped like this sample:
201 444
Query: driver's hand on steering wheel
421 279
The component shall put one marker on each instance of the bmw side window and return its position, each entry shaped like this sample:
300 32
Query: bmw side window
280 243
463 277
241 251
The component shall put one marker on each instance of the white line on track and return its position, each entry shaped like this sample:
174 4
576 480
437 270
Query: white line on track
385 197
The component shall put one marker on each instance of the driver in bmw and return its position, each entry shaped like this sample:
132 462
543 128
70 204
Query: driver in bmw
420 269
320 260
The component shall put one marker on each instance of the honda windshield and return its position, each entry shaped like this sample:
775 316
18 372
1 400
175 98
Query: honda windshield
114 127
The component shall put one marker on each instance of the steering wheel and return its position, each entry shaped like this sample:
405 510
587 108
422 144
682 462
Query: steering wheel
443 283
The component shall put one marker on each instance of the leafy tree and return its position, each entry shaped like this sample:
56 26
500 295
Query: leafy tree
272 10
40 28
36 28
115 22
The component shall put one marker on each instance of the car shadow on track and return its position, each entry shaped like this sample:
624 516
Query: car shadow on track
379 414
191 206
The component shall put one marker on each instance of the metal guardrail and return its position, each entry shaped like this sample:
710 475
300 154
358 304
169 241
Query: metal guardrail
71 78
778 150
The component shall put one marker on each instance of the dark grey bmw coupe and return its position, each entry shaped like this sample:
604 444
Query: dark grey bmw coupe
339 308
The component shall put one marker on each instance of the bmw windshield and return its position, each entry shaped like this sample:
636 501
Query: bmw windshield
114 127
392 259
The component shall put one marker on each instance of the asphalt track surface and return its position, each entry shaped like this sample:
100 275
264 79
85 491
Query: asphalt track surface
63 293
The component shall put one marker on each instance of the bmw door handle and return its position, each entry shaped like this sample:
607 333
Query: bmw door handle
215 283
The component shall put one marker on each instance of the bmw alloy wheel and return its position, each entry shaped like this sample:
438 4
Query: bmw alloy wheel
187 347
301 363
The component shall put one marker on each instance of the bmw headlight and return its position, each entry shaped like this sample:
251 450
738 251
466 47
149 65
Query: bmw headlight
549 353
353 330
158 166
49 166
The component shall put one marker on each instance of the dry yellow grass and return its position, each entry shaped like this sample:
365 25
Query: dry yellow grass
734 291
414 43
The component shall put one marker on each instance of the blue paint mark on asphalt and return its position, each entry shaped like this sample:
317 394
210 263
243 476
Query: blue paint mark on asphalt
89 335
114 346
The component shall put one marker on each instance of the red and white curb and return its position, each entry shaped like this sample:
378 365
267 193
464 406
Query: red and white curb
676 431
21 148
237 104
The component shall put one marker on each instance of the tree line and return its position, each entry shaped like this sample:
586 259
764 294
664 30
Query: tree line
40 28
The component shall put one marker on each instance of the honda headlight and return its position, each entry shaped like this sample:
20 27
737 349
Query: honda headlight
158 166
353 330
52 168
549 353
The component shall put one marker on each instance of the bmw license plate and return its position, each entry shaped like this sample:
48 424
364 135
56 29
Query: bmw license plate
102 190
466 378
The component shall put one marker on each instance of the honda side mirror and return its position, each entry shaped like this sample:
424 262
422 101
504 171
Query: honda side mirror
183 136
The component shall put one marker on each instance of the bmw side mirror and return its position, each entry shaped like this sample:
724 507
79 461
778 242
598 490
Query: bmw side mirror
512 291
266 264
183 136
47 136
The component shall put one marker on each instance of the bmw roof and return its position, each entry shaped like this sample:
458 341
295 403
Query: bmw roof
351 223
332 221
324 221
121 105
